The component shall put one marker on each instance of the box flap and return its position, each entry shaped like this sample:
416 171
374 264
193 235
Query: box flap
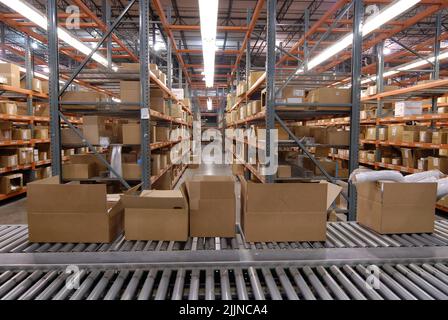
286 197
333 190
156 199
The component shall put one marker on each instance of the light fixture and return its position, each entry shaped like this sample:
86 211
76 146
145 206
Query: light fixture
46 69
208 10
209 104
116 100
371 24
39 19
387 51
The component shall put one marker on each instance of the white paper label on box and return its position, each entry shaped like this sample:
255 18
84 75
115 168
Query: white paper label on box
144 113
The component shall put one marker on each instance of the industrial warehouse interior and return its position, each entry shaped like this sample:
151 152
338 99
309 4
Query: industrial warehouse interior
223 150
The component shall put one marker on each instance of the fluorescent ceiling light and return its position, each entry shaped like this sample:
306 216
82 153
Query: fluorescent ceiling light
39 19
371 24
209 104
409 66
387 51
208 10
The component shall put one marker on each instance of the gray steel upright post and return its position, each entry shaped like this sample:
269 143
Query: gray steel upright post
379 89
270 77
29 68
356 101
106 8
169 62
436 73
3 38
53 63
144 94
305 41
248 65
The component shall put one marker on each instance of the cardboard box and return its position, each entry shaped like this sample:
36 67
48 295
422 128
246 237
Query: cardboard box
395 133
96 131
291 92
155 164
284 171
156 215
176 111
256 106
422 164
11 183
7 107
89 159
212 206
425 136
40 132
162 134
389 207
5 131
408 108
21 134
243 114
25 155
131 171
441 164
131 133
88 97
409 136
254 76
440 137
302 131
78 171
237 169
72 213
11 73
382 134
322 152
286 211
329 96
130 91
371 133
8 160
69 137
35 86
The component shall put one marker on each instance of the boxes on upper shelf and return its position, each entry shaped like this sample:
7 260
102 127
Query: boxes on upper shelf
36 85
8 157
254 76
88 98
21 134
131 133
8 107
131 171
329 96
408 108
440 137
11 73
40 132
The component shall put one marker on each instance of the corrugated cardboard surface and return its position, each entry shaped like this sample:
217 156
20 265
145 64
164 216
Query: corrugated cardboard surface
71 213
156 215
131 133
78 170
131 171
286 211
391 208
212 206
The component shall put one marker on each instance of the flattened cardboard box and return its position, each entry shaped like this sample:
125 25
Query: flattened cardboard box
156 215
389 208
286 211
71 212
212 206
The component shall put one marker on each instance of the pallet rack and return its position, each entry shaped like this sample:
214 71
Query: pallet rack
274 78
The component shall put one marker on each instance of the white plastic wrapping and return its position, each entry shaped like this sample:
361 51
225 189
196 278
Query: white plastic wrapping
417 177
442 188
115 161
371 176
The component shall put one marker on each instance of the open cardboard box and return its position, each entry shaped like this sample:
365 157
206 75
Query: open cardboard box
286 211
156 215
212 205
392 207
72 212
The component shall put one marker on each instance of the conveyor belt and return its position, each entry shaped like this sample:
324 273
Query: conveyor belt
410 281
14 239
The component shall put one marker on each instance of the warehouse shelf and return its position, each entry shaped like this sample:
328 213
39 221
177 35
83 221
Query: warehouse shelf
246 95
250 168
16 168
421 145
439 87
13 194
255 117
26 92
